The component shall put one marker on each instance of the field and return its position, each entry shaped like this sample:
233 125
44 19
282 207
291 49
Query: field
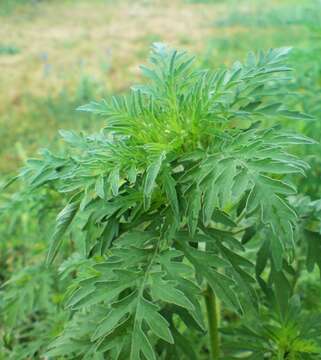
57 56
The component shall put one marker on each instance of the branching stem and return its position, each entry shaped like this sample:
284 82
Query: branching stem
213 323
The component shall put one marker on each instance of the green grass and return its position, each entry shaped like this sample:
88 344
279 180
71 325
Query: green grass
30 117
36 121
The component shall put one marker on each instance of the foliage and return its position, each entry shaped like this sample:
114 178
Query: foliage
282 24
286 328
187 180
32 314
294 335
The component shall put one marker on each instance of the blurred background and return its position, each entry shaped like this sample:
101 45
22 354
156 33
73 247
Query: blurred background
59 54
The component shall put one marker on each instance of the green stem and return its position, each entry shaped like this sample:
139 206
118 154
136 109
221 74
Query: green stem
213 323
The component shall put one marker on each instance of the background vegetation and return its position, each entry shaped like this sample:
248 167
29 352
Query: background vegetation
58 55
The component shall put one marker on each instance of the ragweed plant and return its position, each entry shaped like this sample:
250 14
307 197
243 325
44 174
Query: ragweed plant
284 327
294 335
162 202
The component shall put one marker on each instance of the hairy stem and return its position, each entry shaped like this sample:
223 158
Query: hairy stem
213 323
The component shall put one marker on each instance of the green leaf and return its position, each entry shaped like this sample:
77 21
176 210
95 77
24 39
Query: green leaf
169 184
205 263
100 187
64 219
194 208
314 248
117 313
141 344
167 292
113 180
155 321
99 108
150 179
295 115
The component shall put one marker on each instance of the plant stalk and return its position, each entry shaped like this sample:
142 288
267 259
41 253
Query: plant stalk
213 323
